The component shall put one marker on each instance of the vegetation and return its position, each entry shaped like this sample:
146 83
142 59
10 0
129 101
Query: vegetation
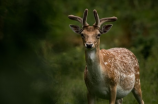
42 60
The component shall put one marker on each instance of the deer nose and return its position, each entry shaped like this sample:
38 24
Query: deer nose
89 45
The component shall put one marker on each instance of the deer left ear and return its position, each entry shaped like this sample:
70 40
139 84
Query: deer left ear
105 28
75 28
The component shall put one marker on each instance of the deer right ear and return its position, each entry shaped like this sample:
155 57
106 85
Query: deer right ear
75 28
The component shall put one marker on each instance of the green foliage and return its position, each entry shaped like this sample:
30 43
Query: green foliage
42 60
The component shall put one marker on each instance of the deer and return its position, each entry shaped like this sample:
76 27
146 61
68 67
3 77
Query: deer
110 74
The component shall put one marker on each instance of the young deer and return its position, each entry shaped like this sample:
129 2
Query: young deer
110 74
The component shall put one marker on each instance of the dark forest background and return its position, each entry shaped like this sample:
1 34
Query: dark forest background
42 60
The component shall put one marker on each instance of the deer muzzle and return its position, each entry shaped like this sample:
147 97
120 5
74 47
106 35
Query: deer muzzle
89 45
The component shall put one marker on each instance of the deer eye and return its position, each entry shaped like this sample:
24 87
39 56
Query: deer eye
98 36
82 35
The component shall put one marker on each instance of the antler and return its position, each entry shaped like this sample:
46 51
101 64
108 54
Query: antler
79 19
85 17
99 22
96 16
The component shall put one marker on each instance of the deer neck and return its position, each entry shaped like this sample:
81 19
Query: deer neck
93 63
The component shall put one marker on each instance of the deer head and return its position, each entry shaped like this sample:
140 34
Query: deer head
91 34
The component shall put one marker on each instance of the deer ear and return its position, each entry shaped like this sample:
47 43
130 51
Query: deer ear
105 28
75 28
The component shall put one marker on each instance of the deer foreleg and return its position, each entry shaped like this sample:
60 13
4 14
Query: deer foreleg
112 94
90 98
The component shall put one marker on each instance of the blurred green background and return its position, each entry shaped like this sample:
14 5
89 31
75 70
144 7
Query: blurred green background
42 60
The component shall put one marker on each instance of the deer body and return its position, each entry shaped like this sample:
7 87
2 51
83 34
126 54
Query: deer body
118 65
109 74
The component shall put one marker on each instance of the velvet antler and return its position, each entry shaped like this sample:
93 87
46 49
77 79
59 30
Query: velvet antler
83 20
99 22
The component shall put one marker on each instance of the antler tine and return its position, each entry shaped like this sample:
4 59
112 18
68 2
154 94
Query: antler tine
79 19
96 16
108 19
85 18
99 22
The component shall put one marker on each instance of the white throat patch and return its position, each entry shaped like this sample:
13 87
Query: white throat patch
91 55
